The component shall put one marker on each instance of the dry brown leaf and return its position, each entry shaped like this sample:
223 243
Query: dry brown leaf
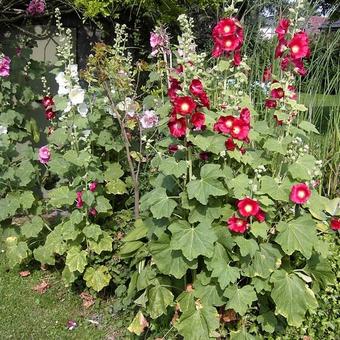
229 316
88 299
25 273
42 287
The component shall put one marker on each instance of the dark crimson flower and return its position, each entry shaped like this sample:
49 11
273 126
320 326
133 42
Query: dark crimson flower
299 46
196 87
198 120
49 114
278 121
299 67
335 223
242 150
281 46
224 124
270 104
261 216
300 193
184 105
248 207
93 212
245 115
229 144
267 74
179 68
172 148
204 156
174 87
177 127
282 28
277 93
204 100
293 94
47 101
284 64
239 129
237 58
79 199
237 225
93 186
217 51
224 27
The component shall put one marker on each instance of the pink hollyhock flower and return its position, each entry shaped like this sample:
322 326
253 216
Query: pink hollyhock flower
224 124
36 7
149 119
270 104
300 193
299 46
267 74
237 225
177 127
245 115
248 207
159 41
49 114
239 129
47 101
229 144
4 66
204 99
282 28
79 200
44 155
284 64
277 93
93 186
184 105
299 67
93 212
198 120
261 216
335 223
172 148
196 87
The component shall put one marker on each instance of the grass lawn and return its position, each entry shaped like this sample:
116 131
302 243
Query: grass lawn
26 314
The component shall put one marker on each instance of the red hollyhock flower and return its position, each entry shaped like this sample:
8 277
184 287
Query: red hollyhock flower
261 216
239 129
217 51
299 46
174 87
245 115
196 87
224 27
184 105
267 74
229 144
284 64
248 207
300 193
177 127
280 49
204 156
172 148
179 68
204 100
292 89
282 28
229 43
198 120
79 200
335 223
278 121
299 67
237 58
242 150
270 104
277 93
224 124
47 101
237 225
49 114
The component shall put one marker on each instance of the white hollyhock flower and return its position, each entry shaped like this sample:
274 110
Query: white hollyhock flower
73 69
129 106
68 107
77 95
3 130
64 83
83 109
149 119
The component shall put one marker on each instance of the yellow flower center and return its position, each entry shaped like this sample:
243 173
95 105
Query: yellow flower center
226 29
236 130
185 107
248 208
239 223
228 123
301 194
228 43
295 49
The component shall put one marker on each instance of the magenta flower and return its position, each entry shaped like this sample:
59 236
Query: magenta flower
44 155
159 41
36 7
149 119
93 186
4 66
79 199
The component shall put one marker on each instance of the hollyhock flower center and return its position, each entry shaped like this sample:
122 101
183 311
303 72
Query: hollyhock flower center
295 48
236 129
301 194
227 29
185 107
228 43
248 208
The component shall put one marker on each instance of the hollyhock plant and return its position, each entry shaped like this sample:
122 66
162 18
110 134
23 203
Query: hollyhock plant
298 46
335 223
44 154
159 41
237 225
4 66
267 74
245 115
248 207
204 99
224 124
93 212
177 127
198 120
196 87
300 193
282 28
50 114
184 105
261 216
173 148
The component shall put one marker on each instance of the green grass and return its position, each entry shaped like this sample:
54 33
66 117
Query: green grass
26 314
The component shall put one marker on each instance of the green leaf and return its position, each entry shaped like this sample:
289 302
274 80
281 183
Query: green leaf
240 186
103 244
169 261
292 297
97 278
32 228
113 171
209 141
247 247
240 299
270 187
192 241
199 212
116 187
268 321
16 253
25 173
26 199
186 301
103 205
260 229
321 270
308 127
61 196
128 248
92 231
198 324
208 185
44 255
159 299
241 334
138 324
297 235
140 231
302 168
76 259
209 294
169 166
59 136
274 145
